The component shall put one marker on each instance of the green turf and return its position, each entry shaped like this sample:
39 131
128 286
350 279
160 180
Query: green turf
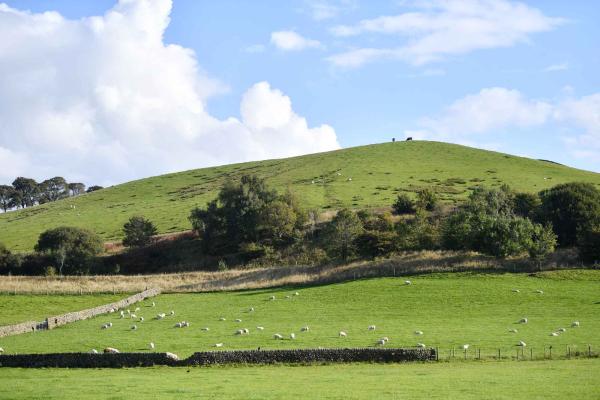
451 310
378 172
21 308
577 379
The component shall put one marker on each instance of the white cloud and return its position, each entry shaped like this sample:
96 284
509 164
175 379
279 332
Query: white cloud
327 9
104 100
557 67
440 28
292 41
477 117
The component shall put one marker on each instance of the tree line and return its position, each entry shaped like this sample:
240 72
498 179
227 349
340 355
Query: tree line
249 221
26 192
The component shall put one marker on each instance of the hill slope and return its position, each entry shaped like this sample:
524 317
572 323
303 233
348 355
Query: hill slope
366 176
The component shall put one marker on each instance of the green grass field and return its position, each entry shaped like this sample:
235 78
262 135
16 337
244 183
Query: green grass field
577 379
451 310
21 308
377 172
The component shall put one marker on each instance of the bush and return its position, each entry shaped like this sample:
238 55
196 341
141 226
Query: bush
571 208
138 232
72 250
9 263
374 243
589 245
341 233
543 242
526 204
503 236
426 199
403 205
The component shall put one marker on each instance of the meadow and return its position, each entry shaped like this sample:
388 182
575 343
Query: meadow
360 177
461 380
451 309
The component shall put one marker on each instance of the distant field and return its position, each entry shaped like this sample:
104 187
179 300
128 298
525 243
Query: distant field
21 308
377 172
576 379
450 309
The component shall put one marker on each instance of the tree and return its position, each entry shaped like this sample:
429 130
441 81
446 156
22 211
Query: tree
72 249
53 189
588 243
505 236
9 262
278 220
403 205
6 197
526 204
543 241
570 208
343 230
138 232
27 190
426 199
93 188
209 224
76 188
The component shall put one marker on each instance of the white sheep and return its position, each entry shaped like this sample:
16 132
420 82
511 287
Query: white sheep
523 321
222 319
110 324
277 336
239 332
141 319
349 179
575 324
421 345
136 309
516 290
465 346
260 328
251 309
128 311
93 351
418 332
178 325
296 294
122 314
1 350
153 304
539 291
111 350
513 330
288 297
105 326
151 345
112 310
343 334
133 327
186 324
172 356
292 336
381 342
407 282
133 316
272 298
371 327
206 329
160 316
385 338
218 344
304 329
562 330
238 320
522 343
554 334
172 312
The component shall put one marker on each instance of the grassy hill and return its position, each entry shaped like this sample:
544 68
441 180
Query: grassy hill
366 176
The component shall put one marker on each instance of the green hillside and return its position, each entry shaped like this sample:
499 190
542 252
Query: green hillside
366 176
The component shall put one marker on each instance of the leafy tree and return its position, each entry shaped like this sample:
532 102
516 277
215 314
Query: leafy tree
570 208
138 232
526 204
6 197
492 202
343 230
72 249
403 205
543 241
9 262
93 188
76 188
505 236
426 199
278 220
53 189
209 224
376 243
28 191
588 243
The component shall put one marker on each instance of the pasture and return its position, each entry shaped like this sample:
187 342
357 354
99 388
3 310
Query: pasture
464 380
450 309
360 177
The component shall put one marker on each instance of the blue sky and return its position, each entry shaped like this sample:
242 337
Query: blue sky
531 87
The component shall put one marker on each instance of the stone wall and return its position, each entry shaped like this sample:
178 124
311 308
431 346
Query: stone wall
85 360
58 320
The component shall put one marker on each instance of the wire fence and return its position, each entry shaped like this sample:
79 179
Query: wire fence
518 353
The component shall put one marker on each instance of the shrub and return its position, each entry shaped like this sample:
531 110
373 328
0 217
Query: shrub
342 231
138 232
589 245
426 199
73 250
375 243
504 236
9 263
526 204
570 208
403 205
222 266
543 241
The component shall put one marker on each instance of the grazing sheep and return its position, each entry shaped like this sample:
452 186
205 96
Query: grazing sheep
136 309
277 336
251 309
112 310
513 330
172 312
111 350
385 338
1 350
421 345
554 334
141 319
260 328
105 326
219 345
349 179
128 311
239 332
304 329
133 316
133 327
296 294
465 346
381 342
516 290
172 356
343 334
206 328
562 330
222 319
575 324
122 314
371 327
292 336
160 316
110 324
186 324
523 321
288 297
418 332
153 304
93 351
539 291
522 343
407 282
151 345
178 325
272 298
238 320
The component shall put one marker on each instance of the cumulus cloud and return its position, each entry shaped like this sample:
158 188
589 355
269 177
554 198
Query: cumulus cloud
476 117
439 28
104 99
292 41
327 9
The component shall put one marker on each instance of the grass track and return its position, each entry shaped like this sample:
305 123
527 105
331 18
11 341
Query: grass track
576 379
377 172
451 309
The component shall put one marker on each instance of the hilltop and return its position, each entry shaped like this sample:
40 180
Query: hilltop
361 177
